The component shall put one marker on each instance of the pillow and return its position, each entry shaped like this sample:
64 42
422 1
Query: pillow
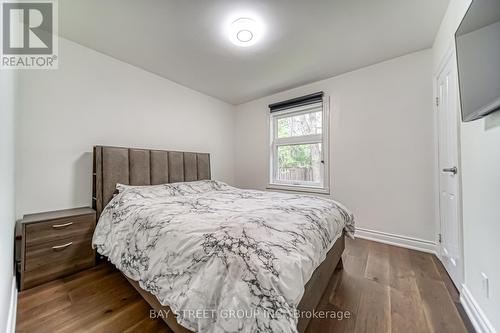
179 188
123 187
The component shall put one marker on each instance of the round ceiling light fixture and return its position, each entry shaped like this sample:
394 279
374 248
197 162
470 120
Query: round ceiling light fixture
244 32
244 36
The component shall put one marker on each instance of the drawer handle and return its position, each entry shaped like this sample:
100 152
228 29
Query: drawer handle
58 226
59 247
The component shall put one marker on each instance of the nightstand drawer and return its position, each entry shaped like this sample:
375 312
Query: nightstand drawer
59 253
54 244
42 232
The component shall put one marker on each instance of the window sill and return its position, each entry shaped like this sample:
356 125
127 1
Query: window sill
297 188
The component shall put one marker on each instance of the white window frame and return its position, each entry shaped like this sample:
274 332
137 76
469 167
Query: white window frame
323 138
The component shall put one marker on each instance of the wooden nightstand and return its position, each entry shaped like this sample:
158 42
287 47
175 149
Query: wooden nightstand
55 244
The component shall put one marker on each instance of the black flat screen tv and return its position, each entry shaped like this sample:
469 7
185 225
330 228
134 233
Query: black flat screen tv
478 56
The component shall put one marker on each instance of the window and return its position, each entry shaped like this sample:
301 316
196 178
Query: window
298 158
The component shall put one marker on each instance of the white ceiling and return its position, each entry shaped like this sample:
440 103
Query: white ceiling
305 41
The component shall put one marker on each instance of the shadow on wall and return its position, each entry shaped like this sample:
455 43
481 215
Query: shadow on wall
492 121
82 180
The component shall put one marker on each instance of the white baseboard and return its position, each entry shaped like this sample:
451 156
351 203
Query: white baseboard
475 313
397 240
11 319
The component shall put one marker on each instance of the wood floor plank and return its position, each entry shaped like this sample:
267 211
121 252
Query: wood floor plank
119 321
382 288
377 264
345 297
373 314
424 266
439 307
407 313
401 273
356 264
336 305
452 290
38 295
111 299
454 293
48 309
148 325
357 247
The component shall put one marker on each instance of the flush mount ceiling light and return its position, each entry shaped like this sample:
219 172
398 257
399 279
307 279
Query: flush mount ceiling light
244 31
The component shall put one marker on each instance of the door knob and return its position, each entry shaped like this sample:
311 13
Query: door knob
453 170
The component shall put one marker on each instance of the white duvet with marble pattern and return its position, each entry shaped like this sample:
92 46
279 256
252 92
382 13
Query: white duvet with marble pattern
222 258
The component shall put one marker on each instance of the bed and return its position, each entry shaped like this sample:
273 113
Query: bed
209 257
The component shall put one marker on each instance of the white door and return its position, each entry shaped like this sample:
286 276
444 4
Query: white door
449 179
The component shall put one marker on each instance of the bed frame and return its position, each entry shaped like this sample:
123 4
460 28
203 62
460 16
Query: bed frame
132 166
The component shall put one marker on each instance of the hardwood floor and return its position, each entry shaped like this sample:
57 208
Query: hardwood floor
392 289
383 288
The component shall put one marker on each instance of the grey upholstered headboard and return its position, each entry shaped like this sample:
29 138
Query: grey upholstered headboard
133 166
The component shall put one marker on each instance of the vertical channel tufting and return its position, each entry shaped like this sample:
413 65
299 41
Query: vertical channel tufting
150 169
175 166
159 167
140 169
203 161
97 181
114 165
190 167
115 169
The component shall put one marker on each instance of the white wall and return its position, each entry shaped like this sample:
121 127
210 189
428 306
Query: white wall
7 206
480 153
382 146
481 210
95 99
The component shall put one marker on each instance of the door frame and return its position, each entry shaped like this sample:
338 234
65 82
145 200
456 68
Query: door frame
450 56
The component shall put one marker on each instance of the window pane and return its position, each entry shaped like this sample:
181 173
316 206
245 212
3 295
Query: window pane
298 125
299 163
